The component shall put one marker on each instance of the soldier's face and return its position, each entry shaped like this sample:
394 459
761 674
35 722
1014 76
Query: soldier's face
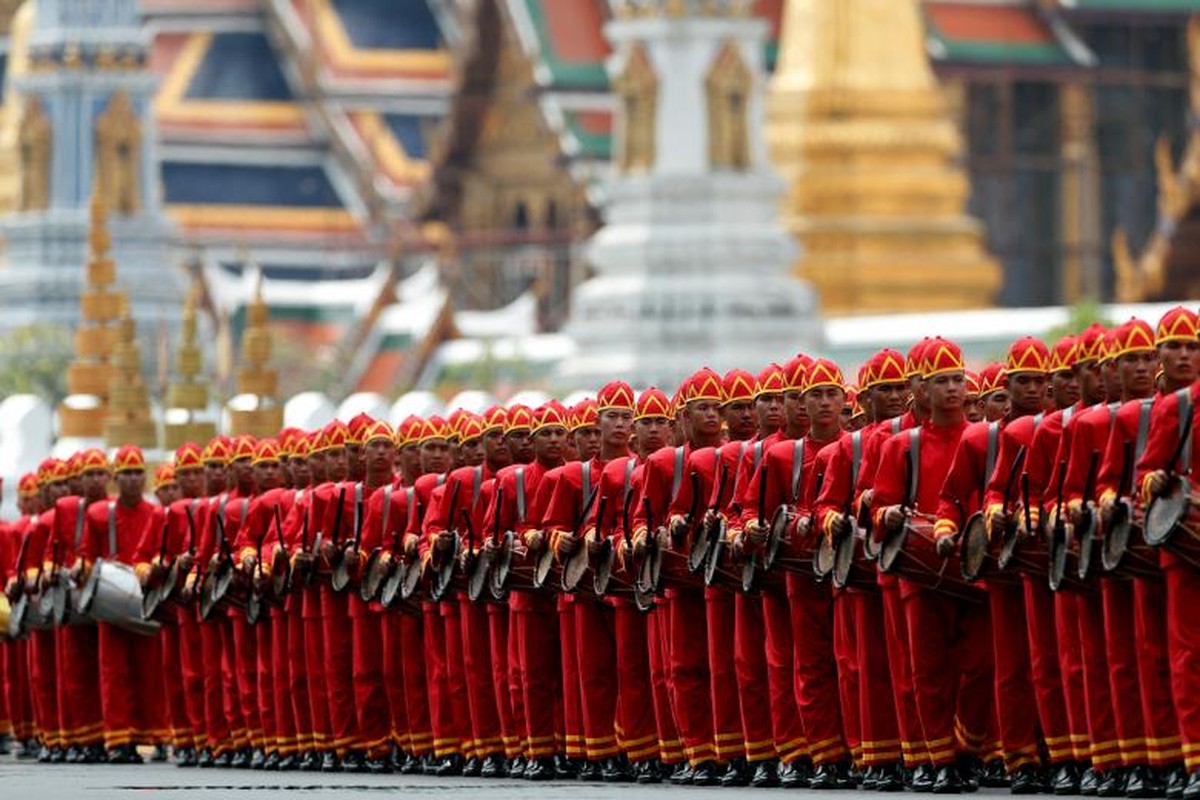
354 457
768 407
704 417
587 442
379 456
549 444
653 433
616 425
215 476
268 475
824 405
1065 385
947 391
1136 370
410 458
1180 361
191 481
470 452
973 409
131 484
1027 391
740 419
316 467
794 410
1091 381
56 490
335 463
167 494
495 450
435 455
996 405
888 399
95 484
301 475
521 446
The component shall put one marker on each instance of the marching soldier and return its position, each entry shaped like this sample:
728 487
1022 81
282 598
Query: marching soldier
16 652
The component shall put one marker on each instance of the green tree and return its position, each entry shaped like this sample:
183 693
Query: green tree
34 360
1079 316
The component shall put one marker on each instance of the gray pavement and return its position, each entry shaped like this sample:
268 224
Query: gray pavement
22 780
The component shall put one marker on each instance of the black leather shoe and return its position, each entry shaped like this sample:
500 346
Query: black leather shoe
1089 781
516 767
58 755
705 774
356 762
377 766
736 774
43 755
615 770
847 776
890 778
330 762
451 765
185 757
1141 781
160 753
870 779
258 759
1191 790
970 772
241 759
1111 783
948 780
472 767
289 763
590 772
683 774
994 775
413 765
310 762
1025 780
923 778
74 755
766 774
205 759
565 768
430 764
825 777
271 762
540 769
1177 779
223 761
648 772
796 774
1065 779
494 767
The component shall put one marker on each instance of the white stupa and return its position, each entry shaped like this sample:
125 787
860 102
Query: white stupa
692 265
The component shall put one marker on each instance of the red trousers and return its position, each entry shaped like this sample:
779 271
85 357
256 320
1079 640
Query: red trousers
1154 672
596 656
411 634
534 620
572 694
1121 653
220 731
264 694
502 646
241 663
15 657
750 665
845 654
1068 657
876 703
1016 702
298 691
370 698
952 674
689 673
456 676
77 652
42 667
1183 645
787 728
174 692
314 658
278 677
339 669
130 688
811 610
480 680
720 619
191 665
635 699
446 740
1102 725
913 746
658 633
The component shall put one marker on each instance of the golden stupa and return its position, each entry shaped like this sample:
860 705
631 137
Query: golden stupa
187 395
128 419
859 126
256 410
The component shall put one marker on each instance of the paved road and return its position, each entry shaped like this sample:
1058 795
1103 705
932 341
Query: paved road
25 781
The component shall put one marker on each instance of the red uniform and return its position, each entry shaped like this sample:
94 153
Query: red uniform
43 646
15 654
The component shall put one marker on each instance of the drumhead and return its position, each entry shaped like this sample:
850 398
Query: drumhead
823 561
222 581
1116 540
16 617
644 601
1058 562
340 579
541 572
891 547
207 603
374 573
775 535
843 561
697 559
503 562
254 608
1087 546
389 592
1008 548
974 548
716 552
1165 513
88 593
575 568
602 572
412 579
750 574
150 602
478 579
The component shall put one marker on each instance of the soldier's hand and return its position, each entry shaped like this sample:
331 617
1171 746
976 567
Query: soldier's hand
157 572
534 541
893 517
803 526
351 556
755 532
186 562
326 550
999 521
677 525
866 498
1156 482
489 546
662 539
249 562
840 527
10 590
638 545
44 581
1108 508
737 547
444 540
31 585
945 546
592 539
567 542
627 550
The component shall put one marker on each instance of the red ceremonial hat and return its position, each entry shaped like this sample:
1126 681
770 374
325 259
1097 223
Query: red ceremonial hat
129 458
887 366
864 374
217 450
356 428
1091 344
941 356
704 384
770 380
73 465
409 430
852 403
454 421
651 404
45 471
335 434
1027 354
615 394
583 415
1109 345
992 378
470 426
794 371
1177 325
61 471
914 362
164 476
434 428
93 458
519 417
823 372
243 447
974 385
28 485
301 445
738 384
1132 337
493 419
189 456
677 399
379 429
548 415
266 451
1063 354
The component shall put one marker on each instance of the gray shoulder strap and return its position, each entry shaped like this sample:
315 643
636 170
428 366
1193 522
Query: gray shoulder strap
1037 419
914 444
387 508
410 503
1184 396
476 485
520 494
993 447
112 528
797 468
856 453
358 504
756 459
586 490
79 522
895 425
627 484
677 476
1143 428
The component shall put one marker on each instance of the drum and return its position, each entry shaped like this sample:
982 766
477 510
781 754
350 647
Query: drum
391 589
849 572
342 575
153 602
699 542
1173 522
790 545
414 573
719 571
113 594
1089 545
444 574
602 571
647 568
281 576
224 587
824 558
256 606
1062 563
777 534
1027 554
911 553
58 602
1124 551
974 557
575 568
479 579
26 616
5 617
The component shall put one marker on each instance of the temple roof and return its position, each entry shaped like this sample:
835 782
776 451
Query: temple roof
999 32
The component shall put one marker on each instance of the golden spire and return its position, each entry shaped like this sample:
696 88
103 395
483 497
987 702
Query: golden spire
187 395
128 420
257 384
859 127
88 376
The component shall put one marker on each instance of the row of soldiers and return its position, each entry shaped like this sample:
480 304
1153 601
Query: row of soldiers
889 680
